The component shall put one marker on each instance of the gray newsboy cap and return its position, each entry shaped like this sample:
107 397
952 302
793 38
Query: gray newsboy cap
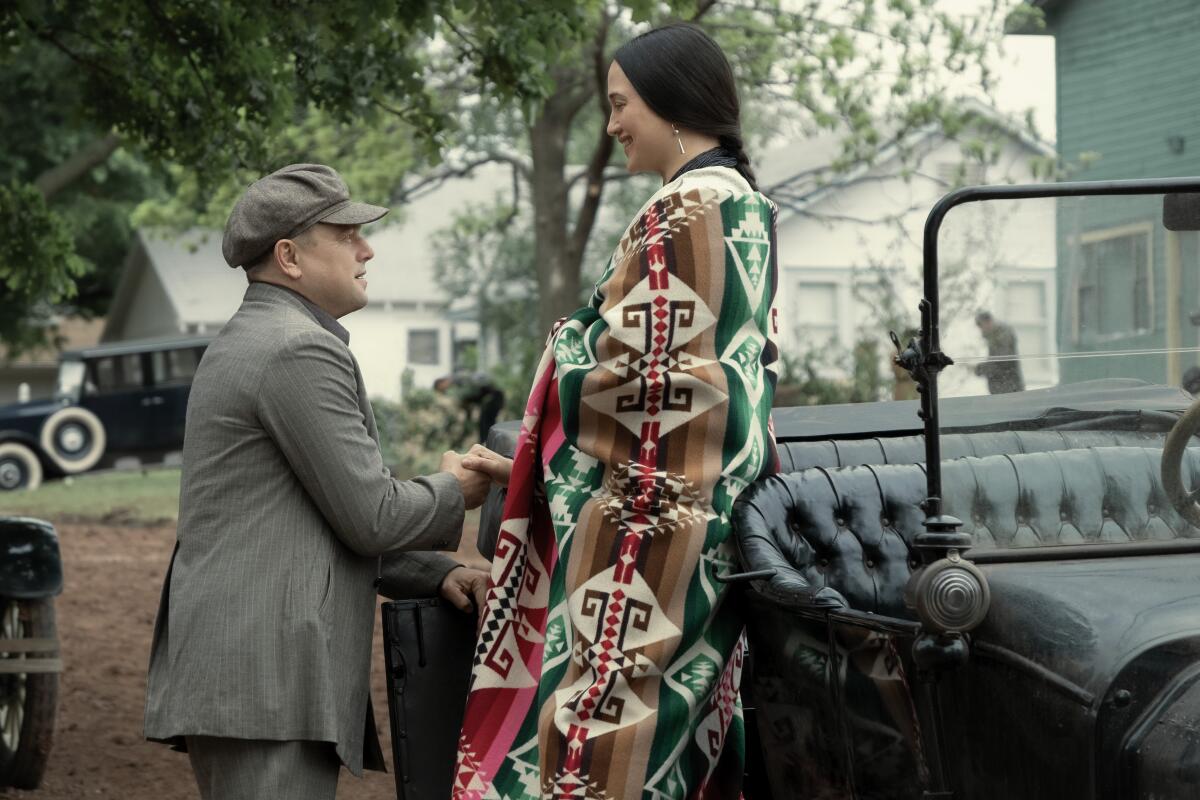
286 203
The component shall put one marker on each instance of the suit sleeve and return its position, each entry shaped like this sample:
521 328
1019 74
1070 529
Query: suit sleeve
308 403
407 575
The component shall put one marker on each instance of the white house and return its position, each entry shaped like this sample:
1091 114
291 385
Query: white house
839 234
181 284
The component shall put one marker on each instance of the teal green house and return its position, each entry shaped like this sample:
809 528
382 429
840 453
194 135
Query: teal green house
1128 106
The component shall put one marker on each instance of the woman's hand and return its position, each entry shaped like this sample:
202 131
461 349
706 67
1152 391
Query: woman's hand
496 466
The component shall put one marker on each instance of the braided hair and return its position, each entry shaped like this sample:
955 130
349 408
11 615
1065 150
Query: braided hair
684 77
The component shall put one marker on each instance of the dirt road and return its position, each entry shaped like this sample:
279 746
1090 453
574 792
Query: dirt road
105 621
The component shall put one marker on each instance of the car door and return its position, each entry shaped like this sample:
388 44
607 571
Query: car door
171 373
116 392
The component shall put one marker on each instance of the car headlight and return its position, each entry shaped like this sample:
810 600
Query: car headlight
950 595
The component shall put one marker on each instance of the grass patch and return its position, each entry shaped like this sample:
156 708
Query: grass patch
117 496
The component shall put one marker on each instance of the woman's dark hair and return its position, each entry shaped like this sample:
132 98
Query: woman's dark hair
683 77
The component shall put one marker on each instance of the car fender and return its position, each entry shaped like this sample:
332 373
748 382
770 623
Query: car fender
30 560
30 441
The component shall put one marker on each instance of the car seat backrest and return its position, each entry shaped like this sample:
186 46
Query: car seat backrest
847 532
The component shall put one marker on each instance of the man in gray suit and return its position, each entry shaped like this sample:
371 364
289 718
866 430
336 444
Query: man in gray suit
261 656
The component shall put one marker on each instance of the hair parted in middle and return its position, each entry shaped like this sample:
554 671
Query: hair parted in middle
685 78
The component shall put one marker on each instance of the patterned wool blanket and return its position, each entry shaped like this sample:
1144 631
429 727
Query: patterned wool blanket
608 661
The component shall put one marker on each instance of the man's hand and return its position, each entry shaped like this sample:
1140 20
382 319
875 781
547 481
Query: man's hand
496 466
474 484
462 585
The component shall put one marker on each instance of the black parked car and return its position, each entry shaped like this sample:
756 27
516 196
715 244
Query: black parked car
30 577
126 399
965 596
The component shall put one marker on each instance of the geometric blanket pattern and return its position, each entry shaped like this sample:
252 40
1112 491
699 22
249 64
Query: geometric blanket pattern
608 660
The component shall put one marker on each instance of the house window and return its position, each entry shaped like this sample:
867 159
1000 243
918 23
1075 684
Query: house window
1114 293
817 314
423 347
1026 309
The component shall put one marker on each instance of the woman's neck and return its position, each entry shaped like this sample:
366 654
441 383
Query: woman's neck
693 145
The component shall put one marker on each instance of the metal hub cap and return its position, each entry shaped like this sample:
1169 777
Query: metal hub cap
11 474
72 438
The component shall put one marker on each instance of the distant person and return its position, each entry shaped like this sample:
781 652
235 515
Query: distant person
1002 376
1191 381
477 394
260 664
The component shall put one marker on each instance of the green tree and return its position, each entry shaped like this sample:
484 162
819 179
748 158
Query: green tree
213 87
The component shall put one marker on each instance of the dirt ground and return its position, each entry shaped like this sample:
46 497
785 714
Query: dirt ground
105 621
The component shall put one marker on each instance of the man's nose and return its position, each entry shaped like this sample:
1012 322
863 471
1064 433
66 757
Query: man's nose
367 252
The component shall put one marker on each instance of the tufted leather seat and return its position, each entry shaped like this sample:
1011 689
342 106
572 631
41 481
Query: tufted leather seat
911 449
843 536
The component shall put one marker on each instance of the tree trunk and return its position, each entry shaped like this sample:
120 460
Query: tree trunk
557 272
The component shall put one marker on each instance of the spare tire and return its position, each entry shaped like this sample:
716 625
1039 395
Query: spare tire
73 438
19 467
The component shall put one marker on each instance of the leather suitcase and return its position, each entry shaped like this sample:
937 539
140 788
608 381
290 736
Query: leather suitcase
428 647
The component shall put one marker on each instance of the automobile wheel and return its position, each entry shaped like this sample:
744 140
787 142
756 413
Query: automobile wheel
74 439
19 467
28 700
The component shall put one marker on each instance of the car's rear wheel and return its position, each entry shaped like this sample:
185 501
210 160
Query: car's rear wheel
73 438
28 700
19 467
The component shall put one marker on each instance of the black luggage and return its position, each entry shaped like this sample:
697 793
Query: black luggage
428 646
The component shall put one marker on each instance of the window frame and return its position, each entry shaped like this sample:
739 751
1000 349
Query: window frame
1144 228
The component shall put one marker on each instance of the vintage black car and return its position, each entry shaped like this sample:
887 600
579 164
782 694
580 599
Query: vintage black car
113 401
965 596
30 577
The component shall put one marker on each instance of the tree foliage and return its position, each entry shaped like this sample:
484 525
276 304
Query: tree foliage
212 93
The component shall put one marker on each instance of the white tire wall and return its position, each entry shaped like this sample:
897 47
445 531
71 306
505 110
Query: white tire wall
74 439
19 467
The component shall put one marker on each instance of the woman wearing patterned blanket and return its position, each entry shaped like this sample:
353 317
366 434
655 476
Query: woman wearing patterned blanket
609 657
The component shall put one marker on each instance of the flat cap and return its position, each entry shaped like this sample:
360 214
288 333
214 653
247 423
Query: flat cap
286 203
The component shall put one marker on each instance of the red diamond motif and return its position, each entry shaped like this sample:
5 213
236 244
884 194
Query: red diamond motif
610 632
618 595
594 691
660 340
653 410
589 703
660 301
612 619
660 326
661 313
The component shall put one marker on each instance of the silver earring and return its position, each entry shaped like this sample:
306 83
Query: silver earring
678 140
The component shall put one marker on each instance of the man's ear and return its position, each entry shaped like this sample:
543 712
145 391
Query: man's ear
287 258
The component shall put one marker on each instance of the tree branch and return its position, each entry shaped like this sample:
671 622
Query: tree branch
434 180
57 178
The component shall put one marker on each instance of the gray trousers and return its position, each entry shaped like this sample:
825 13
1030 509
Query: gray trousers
256 769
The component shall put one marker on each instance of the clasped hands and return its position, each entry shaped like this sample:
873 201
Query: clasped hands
475 472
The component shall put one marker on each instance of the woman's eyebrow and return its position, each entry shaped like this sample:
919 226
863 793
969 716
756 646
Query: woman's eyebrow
615 96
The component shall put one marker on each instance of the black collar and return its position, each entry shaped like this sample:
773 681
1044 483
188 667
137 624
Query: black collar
716 157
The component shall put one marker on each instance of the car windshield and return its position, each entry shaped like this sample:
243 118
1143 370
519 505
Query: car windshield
1053 292
70 379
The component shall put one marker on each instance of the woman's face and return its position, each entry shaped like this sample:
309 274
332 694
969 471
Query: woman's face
646 137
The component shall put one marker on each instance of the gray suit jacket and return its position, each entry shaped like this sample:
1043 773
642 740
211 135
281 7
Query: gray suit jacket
265 625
